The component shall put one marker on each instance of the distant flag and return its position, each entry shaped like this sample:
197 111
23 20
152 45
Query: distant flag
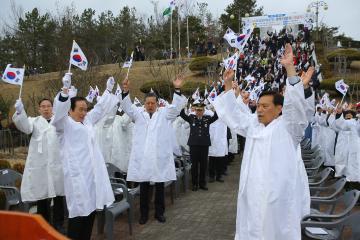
212 95
196 94
137 102
206 94
128 64
77 57
162 102
341 86
118 90
168 11
13 75
91 95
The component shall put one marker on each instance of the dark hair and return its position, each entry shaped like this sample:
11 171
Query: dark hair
150 94
278 99
74 100
45 99
281 87
349 112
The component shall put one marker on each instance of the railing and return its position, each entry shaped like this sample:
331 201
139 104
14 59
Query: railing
10 139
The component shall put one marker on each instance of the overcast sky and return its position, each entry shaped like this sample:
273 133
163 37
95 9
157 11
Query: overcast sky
341 13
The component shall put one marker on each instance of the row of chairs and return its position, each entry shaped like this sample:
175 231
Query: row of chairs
332 214
125 194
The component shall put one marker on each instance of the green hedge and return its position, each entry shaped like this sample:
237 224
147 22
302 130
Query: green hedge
200 64
351 54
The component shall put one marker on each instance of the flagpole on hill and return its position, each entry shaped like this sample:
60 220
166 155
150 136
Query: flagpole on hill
21 86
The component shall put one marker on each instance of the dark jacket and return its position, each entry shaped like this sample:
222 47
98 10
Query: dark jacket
199 129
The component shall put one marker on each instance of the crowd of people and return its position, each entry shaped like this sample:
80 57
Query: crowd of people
70 145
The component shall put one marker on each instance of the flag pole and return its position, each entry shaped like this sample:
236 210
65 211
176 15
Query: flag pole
179 32
187 33
21 86
127 74
72 48
171 35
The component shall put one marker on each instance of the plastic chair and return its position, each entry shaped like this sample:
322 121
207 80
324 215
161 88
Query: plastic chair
333 230
335 188
320 177
9 179
109 214
328 210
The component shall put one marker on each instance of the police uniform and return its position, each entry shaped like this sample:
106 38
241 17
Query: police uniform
199 142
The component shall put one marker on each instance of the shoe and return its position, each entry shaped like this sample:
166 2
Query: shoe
195 188
219 180
160 218
204 188
211 179
143 220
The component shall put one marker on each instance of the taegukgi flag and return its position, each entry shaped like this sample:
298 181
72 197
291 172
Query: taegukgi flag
77 57
341 86
13 75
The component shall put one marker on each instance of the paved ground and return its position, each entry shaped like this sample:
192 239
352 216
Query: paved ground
202 215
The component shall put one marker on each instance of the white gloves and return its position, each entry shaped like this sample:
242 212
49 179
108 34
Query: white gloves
72 92
19 106
67 80
110 84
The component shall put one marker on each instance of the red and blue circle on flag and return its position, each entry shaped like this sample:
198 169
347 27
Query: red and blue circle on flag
11 75
77 58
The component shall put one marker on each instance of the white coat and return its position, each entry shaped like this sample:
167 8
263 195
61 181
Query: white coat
233 143
326 140
87 185
352 170
269 206
114 136
151 157
43 175
218 138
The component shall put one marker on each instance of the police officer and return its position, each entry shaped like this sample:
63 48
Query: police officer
199 142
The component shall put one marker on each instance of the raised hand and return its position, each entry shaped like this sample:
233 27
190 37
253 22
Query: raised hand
110 84
228 77
66 80
306 76
125 85
287 61
19 106
179 81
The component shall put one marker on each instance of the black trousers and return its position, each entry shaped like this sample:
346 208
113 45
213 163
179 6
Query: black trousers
80 228
216 166
199 156
145 199
43 208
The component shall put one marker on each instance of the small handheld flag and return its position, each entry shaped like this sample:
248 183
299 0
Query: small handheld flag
13 75
212 95
341 86
118 90
196 94
77 57
91 95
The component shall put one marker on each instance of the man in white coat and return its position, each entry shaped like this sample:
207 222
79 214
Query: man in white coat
269 207
43 178
87 185
151 158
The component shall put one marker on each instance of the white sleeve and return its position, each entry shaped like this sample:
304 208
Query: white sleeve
60 110
173 110
131 110
343 124
106 103
310 107
293 110
245 108
232 115
23 123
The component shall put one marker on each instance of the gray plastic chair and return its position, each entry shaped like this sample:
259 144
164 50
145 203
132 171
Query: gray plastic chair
8 181
320 177
309 151
311 156
109 214
328 210
334 189
334 230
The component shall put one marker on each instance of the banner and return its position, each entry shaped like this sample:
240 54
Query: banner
279 20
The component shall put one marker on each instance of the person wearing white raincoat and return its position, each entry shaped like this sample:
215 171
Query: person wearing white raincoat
87 184
114 134
43 177
151 158
352 150
269 203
